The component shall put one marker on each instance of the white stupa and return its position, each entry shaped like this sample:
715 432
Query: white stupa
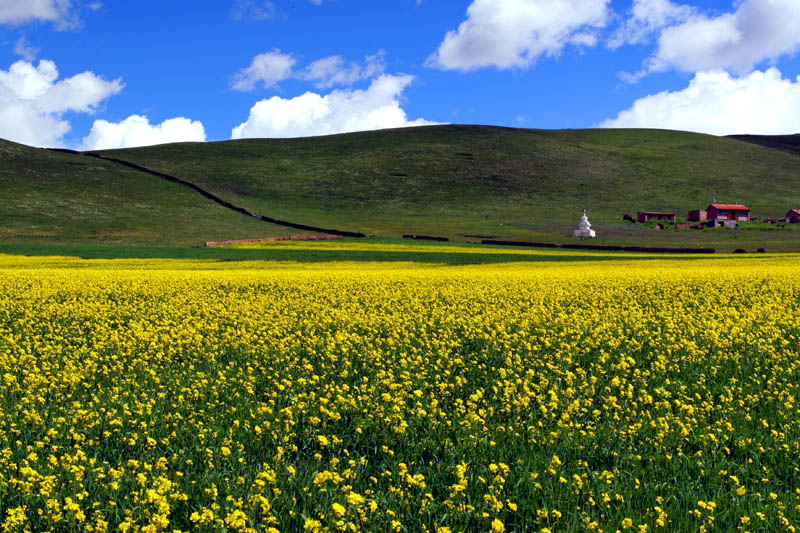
584 230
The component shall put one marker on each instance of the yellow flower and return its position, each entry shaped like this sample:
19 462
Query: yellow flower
338 509
312 525
355 499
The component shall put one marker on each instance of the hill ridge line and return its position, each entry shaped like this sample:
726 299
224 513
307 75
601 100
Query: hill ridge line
211 196
789 144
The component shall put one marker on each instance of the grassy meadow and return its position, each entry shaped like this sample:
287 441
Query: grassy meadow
53 198
521 184
455 181
340 386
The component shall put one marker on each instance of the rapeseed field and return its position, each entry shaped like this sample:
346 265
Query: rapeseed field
619 395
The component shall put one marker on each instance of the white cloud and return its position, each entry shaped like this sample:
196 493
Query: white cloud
334 70
24 124
24 49
515 33
268 69
260 10
59 12
339 111
32 102
583 39
136 130
646 18
758 30
717 103
18 12
252 10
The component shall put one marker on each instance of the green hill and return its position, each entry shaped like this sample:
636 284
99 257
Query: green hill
447 181
50 197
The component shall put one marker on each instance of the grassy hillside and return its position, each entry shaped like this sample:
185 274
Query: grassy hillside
524 184
443 180
52 197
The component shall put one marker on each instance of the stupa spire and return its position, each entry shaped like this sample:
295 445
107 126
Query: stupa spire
584 230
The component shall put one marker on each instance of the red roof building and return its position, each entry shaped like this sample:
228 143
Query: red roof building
793 216
728 212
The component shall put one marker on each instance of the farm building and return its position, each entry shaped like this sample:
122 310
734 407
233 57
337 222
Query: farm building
698 215
728 212
721 212
793 216
646 216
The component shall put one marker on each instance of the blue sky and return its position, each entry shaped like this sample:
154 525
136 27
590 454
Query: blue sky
101 74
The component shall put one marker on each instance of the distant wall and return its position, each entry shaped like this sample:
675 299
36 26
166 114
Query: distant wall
602 247
426 238
214 198
275 239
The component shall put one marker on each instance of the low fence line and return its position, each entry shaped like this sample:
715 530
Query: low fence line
426 238
276 239
209 195
612 248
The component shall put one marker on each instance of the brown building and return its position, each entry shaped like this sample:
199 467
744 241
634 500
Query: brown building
793 216
645 216
698 215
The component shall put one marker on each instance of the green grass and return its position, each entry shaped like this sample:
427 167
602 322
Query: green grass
345 250
444 180
371 251
55 198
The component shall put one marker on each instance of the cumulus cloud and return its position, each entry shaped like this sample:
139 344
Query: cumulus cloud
136 130
646 18
32 101
335 70
720 104
339 111
266 69
515 33
758 30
